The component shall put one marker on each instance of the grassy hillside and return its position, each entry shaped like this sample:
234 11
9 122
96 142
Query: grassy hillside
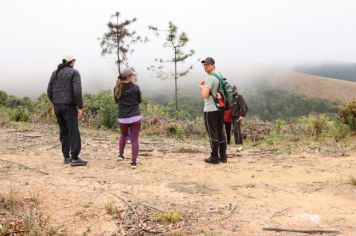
342 71
303 84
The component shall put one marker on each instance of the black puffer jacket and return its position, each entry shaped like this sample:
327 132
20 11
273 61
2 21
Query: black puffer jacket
66 87
129 101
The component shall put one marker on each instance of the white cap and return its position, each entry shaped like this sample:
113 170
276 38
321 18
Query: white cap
69 58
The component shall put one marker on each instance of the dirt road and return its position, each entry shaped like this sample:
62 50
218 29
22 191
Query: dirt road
241 197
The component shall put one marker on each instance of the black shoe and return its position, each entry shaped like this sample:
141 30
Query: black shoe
78 162
223 159
133 165
120 157
212 160
67 160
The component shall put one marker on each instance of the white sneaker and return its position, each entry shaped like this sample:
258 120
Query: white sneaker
120 158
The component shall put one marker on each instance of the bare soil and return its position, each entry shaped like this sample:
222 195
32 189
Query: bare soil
255 189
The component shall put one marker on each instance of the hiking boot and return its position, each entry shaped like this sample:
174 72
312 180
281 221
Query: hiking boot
67 160
223 159
212 160
78 162
120 157
133 165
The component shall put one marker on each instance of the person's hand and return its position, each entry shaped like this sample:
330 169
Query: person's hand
80 114
241 119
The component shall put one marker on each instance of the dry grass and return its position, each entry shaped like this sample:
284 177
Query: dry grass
169 217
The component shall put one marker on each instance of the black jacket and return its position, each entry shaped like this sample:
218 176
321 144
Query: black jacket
129 102
66 87
238 107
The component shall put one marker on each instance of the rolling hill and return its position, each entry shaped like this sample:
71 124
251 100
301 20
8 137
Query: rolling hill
311 86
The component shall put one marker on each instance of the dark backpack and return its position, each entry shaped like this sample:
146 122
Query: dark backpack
224 90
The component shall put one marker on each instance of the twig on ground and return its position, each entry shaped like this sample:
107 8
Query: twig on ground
267 185
53 146
230 213
308 231
146 150
25 167
153 207
279 212
232 171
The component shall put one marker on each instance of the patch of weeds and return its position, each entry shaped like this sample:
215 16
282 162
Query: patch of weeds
52 231
4 230
86 232
169 217
34 200
111 208
208 232
178 233
9 202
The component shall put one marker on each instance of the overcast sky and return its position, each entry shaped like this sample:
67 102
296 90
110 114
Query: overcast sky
35 34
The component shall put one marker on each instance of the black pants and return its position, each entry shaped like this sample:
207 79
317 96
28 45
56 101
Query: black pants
214 124
67 118
228 132
237 130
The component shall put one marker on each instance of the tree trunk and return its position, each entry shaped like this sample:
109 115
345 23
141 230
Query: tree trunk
118 43
175 78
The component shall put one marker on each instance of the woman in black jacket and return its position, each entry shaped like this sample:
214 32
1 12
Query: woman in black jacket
128 97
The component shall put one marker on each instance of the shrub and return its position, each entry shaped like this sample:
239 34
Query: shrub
347 113
318 123
19 114
104 107
3 98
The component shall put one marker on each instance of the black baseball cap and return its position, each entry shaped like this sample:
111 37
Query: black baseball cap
208 60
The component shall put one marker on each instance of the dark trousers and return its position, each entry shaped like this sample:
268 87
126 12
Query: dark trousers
214 124
67 118
237 130
228 131
133 130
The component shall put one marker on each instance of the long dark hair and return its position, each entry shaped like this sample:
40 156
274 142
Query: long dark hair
62 65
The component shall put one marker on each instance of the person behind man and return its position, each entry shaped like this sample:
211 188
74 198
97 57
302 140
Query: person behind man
65 92
128 97
238 113
227 123
213 117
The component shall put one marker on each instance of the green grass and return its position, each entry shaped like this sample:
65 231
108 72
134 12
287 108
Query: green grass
209 233
111 208
169 217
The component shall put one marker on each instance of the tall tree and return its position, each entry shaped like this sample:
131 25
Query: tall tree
176 42
119 39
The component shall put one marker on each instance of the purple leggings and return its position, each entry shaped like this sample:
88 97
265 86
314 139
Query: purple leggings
134 129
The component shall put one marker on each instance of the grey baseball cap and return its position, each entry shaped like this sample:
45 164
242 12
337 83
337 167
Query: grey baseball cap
126 72
208 60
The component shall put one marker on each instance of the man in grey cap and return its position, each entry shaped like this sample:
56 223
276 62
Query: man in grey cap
65 92
213 117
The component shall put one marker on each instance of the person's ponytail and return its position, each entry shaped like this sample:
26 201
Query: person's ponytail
118 88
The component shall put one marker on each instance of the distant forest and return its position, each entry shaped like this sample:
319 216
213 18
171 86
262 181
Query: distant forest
337 71
266 103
